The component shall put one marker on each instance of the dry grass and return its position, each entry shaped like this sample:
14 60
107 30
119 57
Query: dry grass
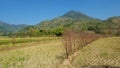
104 51
44 55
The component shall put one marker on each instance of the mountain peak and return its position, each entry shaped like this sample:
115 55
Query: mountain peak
73 11
76 15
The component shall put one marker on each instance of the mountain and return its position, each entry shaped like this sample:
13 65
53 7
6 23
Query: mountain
115 19
56 26
76 15
76 21
6 28
69 19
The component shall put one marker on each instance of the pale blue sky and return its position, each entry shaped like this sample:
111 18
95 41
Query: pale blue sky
33 11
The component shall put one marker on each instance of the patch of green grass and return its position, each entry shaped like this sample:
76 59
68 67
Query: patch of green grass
104 51
104 54
24 40
6 43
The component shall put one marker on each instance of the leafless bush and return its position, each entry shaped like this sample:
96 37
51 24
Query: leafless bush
74 41
13 40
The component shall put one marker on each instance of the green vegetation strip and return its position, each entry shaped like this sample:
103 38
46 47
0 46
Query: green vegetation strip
20 42
24 40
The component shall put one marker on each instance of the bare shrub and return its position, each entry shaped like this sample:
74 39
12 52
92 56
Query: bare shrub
74 41
13 40
67 39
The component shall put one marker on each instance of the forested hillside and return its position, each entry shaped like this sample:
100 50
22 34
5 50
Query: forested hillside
6 29
76 21
71 20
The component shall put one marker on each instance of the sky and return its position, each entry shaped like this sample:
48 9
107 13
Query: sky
32 12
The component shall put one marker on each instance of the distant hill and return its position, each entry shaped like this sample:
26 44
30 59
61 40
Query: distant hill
6 28
115 19
69 19
74 20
